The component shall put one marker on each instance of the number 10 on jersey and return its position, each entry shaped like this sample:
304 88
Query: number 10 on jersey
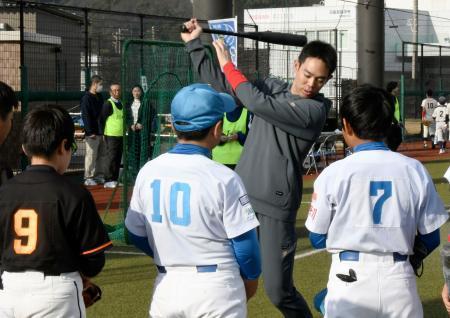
176 189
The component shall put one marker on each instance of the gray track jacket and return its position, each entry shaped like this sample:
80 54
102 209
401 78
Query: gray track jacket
282 132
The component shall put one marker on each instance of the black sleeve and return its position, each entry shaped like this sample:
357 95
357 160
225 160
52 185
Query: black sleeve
86 114
91 236
91 265
105 113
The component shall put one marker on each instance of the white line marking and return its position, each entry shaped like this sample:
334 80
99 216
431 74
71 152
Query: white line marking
309 253
124 253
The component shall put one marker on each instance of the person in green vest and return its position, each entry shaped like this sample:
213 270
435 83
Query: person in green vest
394 90
234 133
395 134
111 119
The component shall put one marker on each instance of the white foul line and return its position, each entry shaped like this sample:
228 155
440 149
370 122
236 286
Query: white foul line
309 253
297 256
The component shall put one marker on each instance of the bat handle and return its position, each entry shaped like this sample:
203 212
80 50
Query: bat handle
184 29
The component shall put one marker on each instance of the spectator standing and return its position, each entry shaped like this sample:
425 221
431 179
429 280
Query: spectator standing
135 125
235 130
91 106
112 120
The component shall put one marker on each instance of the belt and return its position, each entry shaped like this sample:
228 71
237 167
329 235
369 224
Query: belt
198 268
354 256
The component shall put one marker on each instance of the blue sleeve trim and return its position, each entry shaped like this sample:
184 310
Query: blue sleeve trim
141 242
431 240
248 256
318 240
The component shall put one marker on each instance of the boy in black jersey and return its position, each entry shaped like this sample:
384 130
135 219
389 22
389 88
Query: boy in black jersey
50 232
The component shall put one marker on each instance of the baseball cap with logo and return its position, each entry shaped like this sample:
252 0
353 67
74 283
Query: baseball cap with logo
199 106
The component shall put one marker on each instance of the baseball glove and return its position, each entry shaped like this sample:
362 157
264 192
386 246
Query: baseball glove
91 292
426 122
416 260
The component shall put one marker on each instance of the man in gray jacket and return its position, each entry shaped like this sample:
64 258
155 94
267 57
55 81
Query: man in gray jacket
288 118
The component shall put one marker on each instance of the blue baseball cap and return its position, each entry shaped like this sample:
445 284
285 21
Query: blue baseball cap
199 106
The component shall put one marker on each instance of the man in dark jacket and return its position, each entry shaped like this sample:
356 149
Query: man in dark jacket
288 118
91 106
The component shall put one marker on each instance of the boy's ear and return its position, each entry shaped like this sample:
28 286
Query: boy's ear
217 129
346 126
63 146
24 151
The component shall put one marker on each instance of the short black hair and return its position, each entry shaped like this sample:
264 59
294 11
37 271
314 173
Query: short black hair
430 92
8 100
391 86
44 128
196 135
369 111
96 79
320 50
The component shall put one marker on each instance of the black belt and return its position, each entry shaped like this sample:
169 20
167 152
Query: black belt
354 256
200 268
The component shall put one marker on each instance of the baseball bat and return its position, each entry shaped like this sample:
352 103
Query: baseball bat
266 36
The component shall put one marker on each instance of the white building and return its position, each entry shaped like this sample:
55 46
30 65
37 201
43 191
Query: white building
336 21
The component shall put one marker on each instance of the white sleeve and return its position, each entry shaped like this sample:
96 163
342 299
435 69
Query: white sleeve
423 103
434 113
238 215
321 209
432 213
135 219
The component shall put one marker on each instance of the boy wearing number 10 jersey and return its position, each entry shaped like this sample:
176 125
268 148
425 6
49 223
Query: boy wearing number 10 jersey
193 216
50 231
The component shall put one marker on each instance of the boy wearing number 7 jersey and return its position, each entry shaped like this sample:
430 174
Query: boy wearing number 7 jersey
193 216
366 211
50 231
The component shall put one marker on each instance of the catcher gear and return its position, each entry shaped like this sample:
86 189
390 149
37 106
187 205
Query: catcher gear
416 260
91 292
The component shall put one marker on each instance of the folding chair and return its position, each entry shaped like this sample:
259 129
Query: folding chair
327 148
310 160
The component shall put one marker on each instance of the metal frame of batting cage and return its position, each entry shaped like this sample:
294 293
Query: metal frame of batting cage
52 50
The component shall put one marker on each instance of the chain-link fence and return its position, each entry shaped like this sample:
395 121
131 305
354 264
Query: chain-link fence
423 67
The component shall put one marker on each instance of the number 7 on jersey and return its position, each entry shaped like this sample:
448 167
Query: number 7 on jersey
386 188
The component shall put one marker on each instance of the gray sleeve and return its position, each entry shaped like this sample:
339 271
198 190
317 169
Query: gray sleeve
209 72
292 116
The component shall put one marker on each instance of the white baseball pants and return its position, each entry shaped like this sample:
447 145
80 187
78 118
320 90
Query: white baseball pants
383 289
32 294
183 292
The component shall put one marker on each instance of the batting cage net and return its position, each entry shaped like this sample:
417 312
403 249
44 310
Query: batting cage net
161 69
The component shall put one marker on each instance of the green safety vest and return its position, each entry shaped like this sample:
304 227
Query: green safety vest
230 152
114 123
397 110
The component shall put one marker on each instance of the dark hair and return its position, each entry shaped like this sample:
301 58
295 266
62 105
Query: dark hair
8 100
195 135
391 86
114 83
44 128
369 111
430 92
96 79
320 50
138 86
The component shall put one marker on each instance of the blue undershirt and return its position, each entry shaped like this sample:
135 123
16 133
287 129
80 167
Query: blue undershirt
431 240
245 246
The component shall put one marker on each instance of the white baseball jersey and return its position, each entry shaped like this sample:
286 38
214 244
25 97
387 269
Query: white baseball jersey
189 207
374 201
440 113
429 104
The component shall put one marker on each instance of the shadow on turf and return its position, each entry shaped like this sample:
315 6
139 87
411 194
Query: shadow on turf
434 309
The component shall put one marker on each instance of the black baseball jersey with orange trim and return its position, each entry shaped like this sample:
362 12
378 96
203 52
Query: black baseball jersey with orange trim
47 224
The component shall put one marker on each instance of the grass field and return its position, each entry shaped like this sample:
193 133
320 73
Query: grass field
127 279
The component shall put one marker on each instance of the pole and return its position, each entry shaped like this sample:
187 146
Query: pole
415 37
370 42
